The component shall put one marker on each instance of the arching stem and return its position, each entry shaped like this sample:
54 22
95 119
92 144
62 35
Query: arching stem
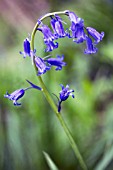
50 100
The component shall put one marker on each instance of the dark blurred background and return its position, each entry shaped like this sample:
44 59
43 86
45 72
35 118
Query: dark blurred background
27 131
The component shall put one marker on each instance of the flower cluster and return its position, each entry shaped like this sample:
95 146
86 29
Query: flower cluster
45 64
76 31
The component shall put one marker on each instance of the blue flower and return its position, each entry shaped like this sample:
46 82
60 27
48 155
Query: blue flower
72 16
64 94
58 62
80 35
40 64
57 26
95 34
51 46
90 46
16 95
49 38
27 51
77 27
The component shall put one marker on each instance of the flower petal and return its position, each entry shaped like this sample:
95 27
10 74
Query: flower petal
90 47
95 34
33 85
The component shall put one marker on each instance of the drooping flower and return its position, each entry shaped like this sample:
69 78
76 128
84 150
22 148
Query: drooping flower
95 34
49 38
72 16
64 94
80 35
41 65
58 62
57 26
16 95
51 46
26 46
77 27
90 46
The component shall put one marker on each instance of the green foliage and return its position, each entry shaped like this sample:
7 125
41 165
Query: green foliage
50 162
28 130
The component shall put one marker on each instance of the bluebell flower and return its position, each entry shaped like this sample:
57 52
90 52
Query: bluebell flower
64 94
49 38
16 95
26 46
95 34
90 46
58 62
41 65
80 35
51 46
57 26
77 27
72 16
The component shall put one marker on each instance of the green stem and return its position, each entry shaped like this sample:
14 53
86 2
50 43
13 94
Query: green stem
51 102
63 124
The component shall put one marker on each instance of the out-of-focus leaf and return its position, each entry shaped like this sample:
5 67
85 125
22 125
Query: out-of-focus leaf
106 160
50 163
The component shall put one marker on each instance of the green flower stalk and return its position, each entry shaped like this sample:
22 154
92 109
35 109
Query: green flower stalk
50 100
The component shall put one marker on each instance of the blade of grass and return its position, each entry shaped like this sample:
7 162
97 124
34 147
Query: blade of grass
50 163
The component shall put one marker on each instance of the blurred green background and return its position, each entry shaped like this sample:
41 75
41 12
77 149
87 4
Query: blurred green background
27 131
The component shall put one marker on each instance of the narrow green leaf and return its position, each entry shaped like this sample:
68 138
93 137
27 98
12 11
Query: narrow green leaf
106 160
50 163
